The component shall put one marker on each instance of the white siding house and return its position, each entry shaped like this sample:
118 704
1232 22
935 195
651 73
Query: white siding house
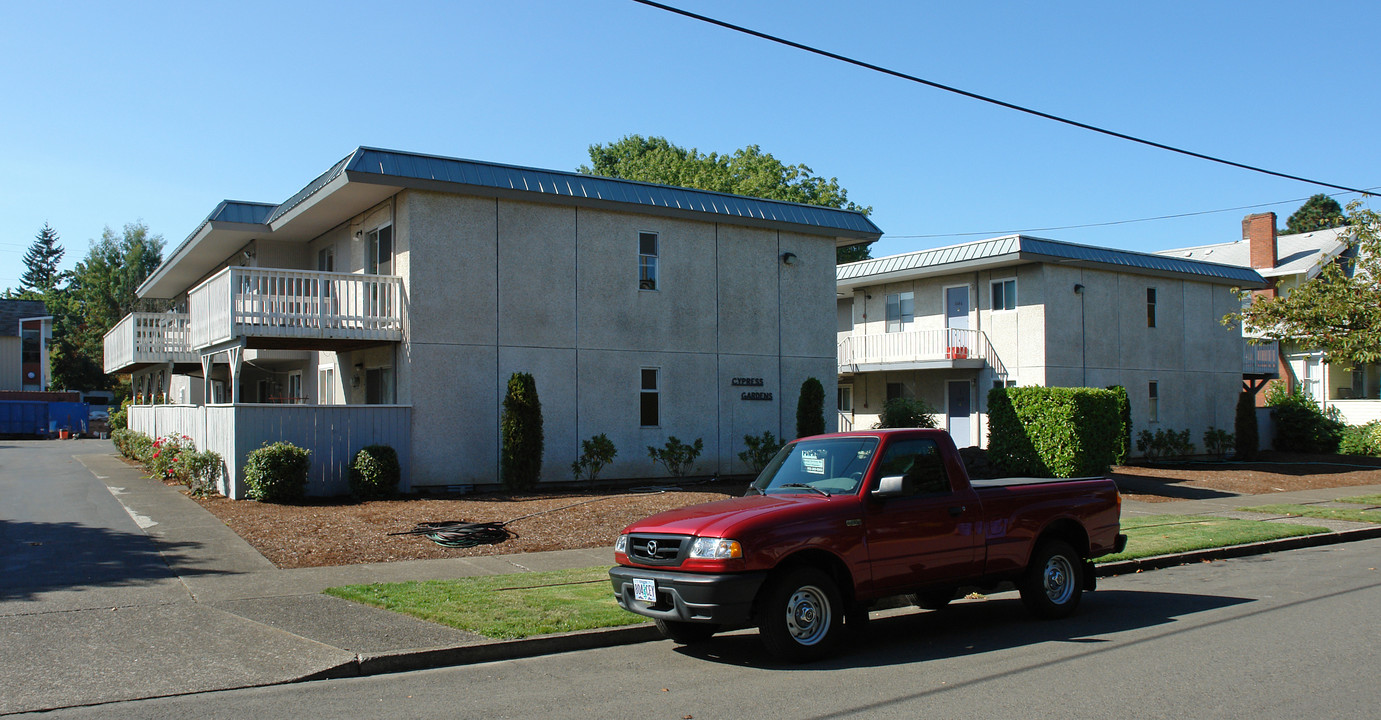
948 324
391 299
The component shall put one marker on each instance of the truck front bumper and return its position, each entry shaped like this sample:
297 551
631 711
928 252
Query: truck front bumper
690 597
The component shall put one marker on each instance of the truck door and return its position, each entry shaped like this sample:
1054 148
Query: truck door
929 534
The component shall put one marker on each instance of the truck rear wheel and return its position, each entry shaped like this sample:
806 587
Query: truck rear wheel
802 615
1054 581
686 633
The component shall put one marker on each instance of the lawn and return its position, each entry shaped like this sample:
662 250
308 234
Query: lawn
1360 515
1152 535
1362 500
503 606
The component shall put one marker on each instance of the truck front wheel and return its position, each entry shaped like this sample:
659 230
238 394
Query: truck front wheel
801 616
1054 581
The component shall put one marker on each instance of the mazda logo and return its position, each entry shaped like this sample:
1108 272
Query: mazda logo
652 548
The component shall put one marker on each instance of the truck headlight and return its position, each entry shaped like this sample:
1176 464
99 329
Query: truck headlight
621 545
715 549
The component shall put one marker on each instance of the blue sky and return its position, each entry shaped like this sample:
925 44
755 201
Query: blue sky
122 112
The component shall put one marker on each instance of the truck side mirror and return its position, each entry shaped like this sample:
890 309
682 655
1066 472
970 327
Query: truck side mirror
892 486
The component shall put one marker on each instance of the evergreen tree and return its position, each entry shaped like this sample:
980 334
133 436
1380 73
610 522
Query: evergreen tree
520 460
41 274
810 409
1319 212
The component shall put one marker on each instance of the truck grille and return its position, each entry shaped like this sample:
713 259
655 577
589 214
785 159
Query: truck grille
658 549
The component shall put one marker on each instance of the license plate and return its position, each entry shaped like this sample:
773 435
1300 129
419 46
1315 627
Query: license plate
645 590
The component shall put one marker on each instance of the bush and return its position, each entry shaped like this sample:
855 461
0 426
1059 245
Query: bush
1124 444
201 471
130 443
277 472
1248 439
906 413
810 409
1164 445
375 472
1053 431
1362 439
1217 442
761 450
1301 426
595 453
520 462
167 451
677 457
119 420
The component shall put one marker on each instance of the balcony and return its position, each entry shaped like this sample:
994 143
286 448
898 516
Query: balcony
302 309
918 350
143 339
1261 360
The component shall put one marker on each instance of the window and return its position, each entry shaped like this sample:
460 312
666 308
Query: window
1153 404
380 260
217 391
326 259
1005 294
1313 377
893 391
378 386
999 383
901 311
919 462
1150 307
326 386
647 398
295 388
846 398
647 261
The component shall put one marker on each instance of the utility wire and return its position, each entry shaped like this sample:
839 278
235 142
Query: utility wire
1106 224
994 101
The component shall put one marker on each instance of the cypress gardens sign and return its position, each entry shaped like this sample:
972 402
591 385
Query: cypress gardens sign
750 394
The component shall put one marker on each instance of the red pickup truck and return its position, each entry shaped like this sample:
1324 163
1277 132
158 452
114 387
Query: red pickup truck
836 523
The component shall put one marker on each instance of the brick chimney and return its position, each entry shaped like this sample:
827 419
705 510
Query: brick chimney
1259 231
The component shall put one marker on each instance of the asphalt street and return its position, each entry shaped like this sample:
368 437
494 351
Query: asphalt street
1285 635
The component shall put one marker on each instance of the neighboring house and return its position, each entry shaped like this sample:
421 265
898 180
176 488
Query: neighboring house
948 324
26 329
390 300
1285 261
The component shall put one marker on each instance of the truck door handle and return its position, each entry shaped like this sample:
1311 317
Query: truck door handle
957 510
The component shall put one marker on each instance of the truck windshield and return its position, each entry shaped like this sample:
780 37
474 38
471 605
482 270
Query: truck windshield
833 465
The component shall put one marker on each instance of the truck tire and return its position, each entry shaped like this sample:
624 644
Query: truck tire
686 633
801 618
1054 581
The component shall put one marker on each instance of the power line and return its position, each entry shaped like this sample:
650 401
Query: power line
1104 224
994 101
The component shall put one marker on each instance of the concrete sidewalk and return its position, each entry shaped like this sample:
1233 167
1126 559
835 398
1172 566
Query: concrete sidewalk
225 617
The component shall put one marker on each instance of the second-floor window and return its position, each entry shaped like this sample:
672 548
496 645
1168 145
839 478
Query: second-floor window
1150 307
380 260
647 261
901 311
1005 294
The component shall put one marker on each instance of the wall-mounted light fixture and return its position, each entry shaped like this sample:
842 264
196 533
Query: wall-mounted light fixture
1078 289
789 258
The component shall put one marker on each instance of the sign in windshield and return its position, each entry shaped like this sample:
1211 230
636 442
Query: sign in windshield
830 466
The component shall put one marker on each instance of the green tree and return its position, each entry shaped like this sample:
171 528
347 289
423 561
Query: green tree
102 291
41 274
520 461
1319 212
810 409
1337 310
747 171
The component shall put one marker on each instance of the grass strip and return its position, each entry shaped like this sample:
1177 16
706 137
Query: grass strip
1362 500
503 607
1325 513
1152 535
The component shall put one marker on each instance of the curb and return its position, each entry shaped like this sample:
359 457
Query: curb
409 660
1125 567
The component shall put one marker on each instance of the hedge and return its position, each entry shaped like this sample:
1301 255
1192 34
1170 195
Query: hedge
1054 432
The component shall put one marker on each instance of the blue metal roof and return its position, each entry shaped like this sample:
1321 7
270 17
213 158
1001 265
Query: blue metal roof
241 212
1029 249
392 163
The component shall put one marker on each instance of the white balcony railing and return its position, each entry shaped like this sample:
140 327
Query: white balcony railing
141 338
918 346
259 302
1260 359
